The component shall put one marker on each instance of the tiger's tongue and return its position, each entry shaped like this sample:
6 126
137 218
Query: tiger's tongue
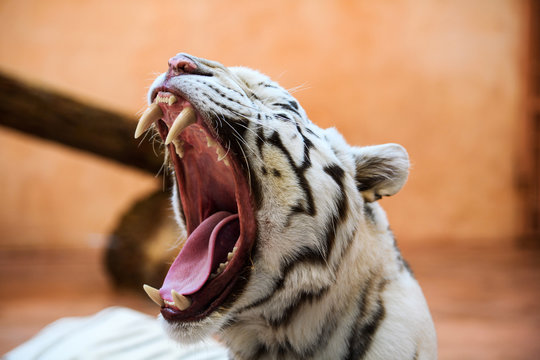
207 245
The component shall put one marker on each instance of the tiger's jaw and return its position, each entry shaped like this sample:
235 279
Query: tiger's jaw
215 200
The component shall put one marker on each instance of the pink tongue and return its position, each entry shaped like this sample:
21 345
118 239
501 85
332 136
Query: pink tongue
208 243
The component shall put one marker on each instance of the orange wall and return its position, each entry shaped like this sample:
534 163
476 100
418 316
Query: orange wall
443 78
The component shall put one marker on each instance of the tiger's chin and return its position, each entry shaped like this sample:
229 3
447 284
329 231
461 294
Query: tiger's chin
192 332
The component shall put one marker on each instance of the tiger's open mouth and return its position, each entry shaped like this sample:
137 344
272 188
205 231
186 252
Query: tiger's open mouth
215 200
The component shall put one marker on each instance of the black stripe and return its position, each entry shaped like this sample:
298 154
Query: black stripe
221 93
256 188
292 309
337 173
260 351
277 351
300 171
366 325
404 265
260 301
284 349
229 109
260 141
252 94
225 96
283 116
327 329
313 133
368 212
288 107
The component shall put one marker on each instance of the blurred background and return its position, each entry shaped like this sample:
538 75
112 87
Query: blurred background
455 82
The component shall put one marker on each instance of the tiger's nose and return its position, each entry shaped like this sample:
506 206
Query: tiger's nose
181 64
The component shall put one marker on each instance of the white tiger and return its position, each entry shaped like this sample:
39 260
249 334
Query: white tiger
288 255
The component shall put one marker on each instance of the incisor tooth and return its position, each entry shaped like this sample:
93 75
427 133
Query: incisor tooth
183 120
180 301
153 294
151 114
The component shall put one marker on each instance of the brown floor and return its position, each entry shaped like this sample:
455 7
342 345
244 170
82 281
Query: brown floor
485 302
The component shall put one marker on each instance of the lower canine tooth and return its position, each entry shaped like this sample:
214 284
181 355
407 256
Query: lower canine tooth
153 294
180 301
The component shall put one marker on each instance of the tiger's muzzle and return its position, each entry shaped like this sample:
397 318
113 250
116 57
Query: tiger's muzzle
215 200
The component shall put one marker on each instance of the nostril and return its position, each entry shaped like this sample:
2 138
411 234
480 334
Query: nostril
181 64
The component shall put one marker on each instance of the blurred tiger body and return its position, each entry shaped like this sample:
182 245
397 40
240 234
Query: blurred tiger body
323 278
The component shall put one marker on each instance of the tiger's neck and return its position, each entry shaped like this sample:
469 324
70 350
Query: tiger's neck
312 310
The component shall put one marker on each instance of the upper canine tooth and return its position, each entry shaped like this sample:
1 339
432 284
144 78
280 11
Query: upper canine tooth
183 120
172 100
180 301
154 294
151 114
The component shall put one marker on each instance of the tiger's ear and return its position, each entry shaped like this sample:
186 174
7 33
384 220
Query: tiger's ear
381 170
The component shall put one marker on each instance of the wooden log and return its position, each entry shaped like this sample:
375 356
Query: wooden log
59 118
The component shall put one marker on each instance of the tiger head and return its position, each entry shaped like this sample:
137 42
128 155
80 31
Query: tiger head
269 202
